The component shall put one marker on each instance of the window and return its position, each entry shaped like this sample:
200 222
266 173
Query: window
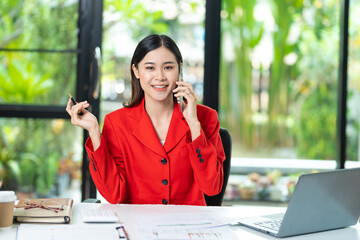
38 51
279 90
40 158
353 96
40 54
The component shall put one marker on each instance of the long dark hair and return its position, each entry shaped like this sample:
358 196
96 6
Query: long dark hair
146 45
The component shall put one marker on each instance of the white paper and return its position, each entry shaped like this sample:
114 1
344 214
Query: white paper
218 233
68 232
183 226
176 221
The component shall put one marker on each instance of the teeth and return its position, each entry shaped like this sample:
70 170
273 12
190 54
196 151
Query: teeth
159 86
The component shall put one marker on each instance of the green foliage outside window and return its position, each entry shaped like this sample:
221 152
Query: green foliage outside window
31 149
46 25
287 101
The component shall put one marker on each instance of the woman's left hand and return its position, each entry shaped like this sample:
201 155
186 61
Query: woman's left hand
186 90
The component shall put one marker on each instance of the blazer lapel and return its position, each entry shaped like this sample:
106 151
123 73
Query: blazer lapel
142 128
177 130
144 131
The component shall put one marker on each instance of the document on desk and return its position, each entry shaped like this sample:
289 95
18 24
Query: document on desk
183 226
68 232
182 220
217 233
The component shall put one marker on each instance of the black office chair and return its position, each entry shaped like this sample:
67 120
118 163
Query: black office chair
216 200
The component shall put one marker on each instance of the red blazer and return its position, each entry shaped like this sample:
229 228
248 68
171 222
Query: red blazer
131 165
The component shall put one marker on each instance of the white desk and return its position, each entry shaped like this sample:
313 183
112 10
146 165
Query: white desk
129 214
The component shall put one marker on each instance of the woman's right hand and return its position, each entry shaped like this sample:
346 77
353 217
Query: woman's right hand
86 120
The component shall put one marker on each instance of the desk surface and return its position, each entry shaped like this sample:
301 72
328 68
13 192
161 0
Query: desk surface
129 215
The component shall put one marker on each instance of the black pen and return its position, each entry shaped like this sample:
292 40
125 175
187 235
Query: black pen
124 234
74 103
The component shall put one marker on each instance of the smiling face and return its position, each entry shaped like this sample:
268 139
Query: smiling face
158 72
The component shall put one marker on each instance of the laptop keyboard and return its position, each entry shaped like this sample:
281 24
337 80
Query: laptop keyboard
274 223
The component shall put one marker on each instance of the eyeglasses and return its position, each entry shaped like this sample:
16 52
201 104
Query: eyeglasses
51 205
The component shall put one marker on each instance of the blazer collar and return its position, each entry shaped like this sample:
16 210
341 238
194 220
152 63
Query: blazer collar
177 129
143 129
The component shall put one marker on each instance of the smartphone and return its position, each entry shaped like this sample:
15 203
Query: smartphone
180 99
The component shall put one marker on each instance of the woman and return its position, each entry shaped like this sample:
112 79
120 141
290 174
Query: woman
151 152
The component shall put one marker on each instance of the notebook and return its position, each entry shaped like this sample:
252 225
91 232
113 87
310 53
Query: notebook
320 202
43 210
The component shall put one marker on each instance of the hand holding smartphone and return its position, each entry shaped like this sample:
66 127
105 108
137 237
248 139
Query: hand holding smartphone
180 100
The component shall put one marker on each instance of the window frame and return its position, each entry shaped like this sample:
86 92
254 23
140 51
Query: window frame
87 77
212 75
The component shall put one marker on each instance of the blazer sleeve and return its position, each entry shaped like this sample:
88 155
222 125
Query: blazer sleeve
106 164
207 155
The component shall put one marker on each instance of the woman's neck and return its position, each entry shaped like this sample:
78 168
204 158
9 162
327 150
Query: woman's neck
159 110
160 114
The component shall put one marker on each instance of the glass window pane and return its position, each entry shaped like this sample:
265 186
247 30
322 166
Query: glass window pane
37 78
353 98
275 85
38 24
41 157
278 86
126 24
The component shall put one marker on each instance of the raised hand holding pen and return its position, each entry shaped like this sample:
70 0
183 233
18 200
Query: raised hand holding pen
74 103
87 120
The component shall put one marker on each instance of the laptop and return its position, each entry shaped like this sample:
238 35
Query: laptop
320 202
